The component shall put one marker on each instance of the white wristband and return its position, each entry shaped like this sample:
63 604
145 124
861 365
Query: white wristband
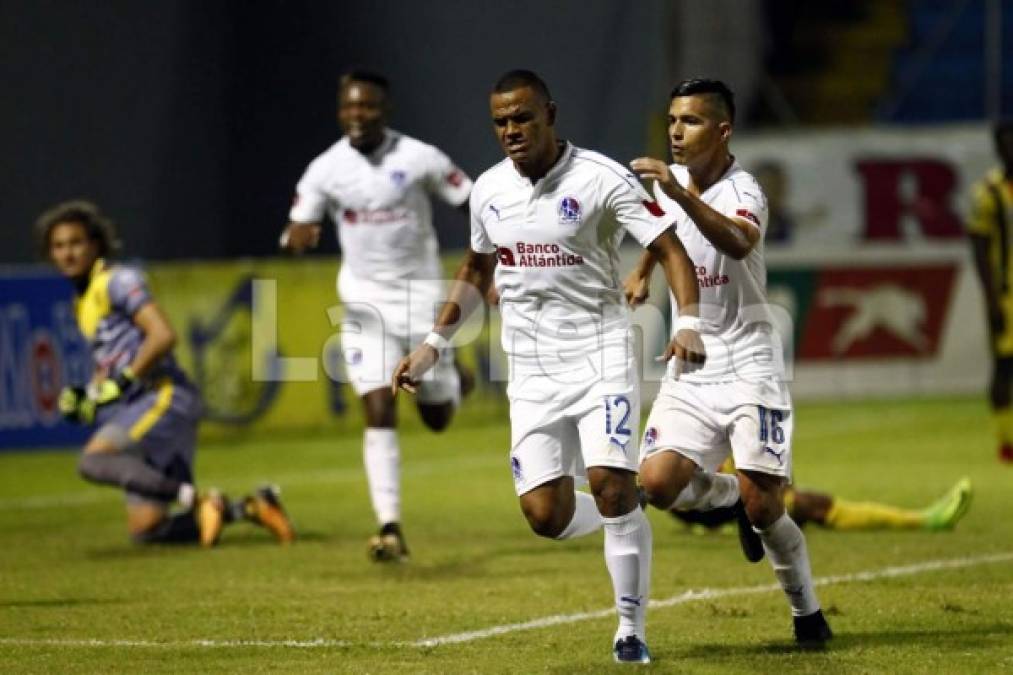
436 341
688 323
283 239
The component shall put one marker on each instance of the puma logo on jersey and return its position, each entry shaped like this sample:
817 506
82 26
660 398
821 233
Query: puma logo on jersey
496 211
777 455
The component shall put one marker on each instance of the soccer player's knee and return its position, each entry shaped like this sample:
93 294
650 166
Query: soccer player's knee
145 536
89 467
657 486
762 508
543 519
612 498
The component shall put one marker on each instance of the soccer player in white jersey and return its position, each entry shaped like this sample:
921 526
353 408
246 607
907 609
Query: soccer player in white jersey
738 402
375 185
547 222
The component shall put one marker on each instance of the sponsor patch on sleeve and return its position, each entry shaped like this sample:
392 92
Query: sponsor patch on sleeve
654 208
748 215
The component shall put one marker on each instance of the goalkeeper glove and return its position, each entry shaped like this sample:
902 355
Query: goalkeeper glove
110 389
75 406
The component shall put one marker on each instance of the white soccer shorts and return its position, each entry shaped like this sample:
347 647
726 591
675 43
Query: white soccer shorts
706 422
372 346
579 428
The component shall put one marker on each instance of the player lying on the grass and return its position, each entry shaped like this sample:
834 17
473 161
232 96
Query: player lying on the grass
145 407
548 219
826 510
738 403
376 184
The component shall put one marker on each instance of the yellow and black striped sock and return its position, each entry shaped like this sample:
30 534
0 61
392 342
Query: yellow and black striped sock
845 515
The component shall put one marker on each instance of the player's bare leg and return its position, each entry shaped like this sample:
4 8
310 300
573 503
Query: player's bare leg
785 547
437 416
673 481
557 511
628 542
551 507
382 459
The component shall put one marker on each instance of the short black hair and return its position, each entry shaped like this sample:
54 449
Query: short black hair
697 86
363 75
515 79
97 226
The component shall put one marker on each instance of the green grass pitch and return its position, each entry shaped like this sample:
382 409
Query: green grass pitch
75 596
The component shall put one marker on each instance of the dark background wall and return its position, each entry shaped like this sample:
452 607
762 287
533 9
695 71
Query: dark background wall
191 121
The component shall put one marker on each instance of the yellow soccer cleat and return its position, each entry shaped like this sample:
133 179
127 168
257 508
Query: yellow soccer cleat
210 515
264 508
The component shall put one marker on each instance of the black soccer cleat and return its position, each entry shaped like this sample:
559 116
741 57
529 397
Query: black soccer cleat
388 545
812 631
749 540
631 649
712 519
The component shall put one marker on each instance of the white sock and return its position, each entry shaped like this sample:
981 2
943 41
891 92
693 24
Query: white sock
706 491
628 558
382 458
586 518
785 546
186 495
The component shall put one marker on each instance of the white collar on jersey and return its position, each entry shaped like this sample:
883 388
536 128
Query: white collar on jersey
561 162
390 139
681 174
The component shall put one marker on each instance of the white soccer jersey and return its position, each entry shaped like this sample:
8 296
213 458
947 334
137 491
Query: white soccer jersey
380 205
556 240
737 324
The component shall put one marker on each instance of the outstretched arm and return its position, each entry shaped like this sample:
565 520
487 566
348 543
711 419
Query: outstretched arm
474 273
686 344
734 237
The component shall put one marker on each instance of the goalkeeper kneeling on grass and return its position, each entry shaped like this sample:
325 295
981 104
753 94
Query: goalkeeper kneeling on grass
144 407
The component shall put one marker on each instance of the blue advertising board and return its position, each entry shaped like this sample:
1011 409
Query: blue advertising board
41 350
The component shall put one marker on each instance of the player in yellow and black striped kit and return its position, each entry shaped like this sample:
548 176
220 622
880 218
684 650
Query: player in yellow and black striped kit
989 229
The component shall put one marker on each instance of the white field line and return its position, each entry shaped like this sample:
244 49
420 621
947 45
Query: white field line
712 593
558 619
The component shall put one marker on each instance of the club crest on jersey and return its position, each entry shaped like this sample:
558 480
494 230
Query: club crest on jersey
398 178
569 211
650 437
515 468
